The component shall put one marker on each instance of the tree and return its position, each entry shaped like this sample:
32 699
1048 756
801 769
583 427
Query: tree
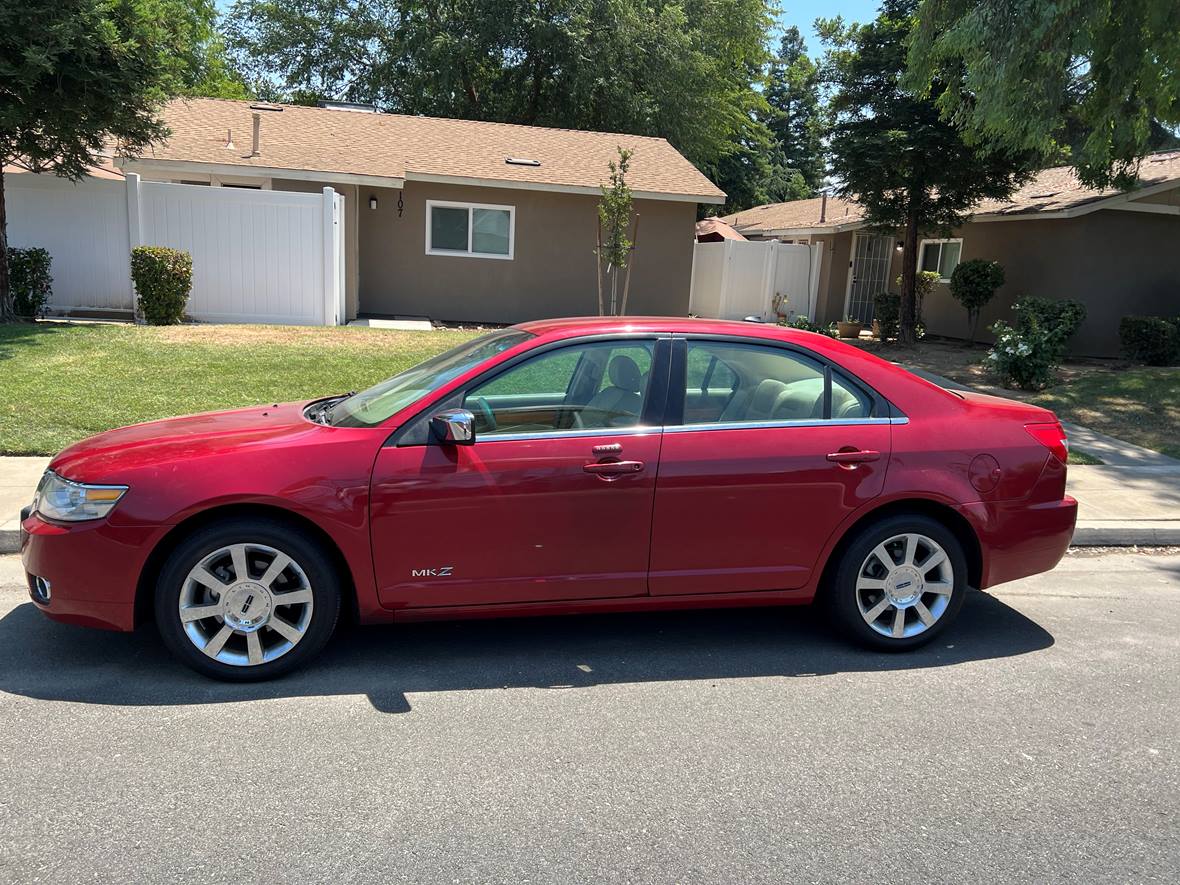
616 239
1019 68
973 285
78 77
686 72
891 151
792 91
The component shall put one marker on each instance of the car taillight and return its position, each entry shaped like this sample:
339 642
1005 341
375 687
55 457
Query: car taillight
1052 437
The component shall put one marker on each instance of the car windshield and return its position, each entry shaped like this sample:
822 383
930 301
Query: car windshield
380 402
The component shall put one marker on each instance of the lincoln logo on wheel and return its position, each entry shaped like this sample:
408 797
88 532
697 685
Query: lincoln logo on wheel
440 572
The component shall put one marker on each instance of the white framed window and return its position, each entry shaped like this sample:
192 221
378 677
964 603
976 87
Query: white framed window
941 256
475 230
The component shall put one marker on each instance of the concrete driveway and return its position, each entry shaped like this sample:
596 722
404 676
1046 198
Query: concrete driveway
1037 742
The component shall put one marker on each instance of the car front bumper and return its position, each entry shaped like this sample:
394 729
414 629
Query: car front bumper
92 569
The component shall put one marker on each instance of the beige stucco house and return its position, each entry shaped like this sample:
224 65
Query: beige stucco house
454 220
1117 252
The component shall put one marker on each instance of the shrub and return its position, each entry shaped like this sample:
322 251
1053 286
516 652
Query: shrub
163 278
802 322
1152 340
887 313
1060 318
30 280
924 283
1022 357
973 285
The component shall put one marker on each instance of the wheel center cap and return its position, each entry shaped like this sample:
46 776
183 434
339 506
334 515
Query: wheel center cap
904 586
247 606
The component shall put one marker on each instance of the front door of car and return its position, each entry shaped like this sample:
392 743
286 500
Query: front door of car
554 499
774 450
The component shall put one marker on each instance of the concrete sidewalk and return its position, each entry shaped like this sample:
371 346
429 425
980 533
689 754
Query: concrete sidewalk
1117 506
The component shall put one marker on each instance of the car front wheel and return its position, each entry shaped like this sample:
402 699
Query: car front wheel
246 600
899 583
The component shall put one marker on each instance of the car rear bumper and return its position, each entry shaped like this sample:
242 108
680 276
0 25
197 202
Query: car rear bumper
92 569
1019 539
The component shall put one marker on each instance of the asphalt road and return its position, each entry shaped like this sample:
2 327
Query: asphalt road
1037 742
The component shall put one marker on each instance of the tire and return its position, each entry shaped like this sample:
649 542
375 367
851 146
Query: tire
865 594
241 630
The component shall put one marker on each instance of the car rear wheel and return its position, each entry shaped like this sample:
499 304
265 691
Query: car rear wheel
899 583
246 600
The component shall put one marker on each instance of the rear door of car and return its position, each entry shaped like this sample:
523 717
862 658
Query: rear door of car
768 450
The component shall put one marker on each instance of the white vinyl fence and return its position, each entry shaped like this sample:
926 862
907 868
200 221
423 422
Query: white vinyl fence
259 256
733 279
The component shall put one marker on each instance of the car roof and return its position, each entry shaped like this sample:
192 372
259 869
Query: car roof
572 326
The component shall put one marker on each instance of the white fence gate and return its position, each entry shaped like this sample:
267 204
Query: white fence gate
259 256
736 279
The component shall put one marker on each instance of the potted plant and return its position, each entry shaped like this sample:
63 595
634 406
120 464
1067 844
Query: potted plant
849 327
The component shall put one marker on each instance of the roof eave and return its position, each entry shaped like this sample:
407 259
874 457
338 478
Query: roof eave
241 169
475 181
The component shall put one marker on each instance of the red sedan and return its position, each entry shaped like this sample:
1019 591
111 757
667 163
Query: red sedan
581 465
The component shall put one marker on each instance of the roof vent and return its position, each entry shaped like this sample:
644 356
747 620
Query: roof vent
355 106
521 161
265 106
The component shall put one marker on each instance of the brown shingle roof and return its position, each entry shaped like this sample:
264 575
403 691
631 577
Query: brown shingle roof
797 214
1052 190
393 146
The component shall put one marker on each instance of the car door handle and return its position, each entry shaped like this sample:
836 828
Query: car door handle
613 468
858 456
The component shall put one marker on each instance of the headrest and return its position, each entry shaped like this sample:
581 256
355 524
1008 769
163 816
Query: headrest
624 373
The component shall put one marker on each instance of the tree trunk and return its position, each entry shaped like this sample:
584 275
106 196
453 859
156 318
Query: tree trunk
973 319
7 308
630 263
907 323
598 267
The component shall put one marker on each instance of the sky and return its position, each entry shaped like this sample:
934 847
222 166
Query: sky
802 13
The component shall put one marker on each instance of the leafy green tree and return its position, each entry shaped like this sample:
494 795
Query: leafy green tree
973 285
792 91
890 149
1016 70
684 71
80 76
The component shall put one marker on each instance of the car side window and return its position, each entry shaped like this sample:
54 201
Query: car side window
848 400
580 387
759 383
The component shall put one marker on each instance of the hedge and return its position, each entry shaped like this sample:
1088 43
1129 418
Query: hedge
163 279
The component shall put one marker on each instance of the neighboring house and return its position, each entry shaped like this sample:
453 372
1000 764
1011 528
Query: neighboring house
1116 252
451 219
714 230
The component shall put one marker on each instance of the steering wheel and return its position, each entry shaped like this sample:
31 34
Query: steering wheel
484 410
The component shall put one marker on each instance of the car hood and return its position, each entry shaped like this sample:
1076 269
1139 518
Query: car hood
108 455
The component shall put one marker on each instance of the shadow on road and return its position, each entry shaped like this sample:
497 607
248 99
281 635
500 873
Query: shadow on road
48 661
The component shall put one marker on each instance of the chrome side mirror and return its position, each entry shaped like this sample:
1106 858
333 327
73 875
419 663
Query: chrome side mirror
454 427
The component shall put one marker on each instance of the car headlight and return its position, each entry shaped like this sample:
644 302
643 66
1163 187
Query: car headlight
67 501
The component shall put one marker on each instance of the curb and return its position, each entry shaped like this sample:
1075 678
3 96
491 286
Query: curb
9 541
1145 533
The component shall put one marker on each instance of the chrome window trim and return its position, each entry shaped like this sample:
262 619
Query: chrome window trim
685 428
562 434
768 425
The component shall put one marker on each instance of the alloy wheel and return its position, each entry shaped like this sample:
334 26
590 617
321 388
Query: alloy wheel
246 604
904 585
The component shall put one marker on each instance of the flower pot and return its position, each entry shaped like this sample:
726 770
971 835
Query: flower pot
848 330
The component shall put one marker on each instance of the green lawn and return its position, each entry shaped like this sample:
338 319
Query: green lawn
1140 405
60 383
